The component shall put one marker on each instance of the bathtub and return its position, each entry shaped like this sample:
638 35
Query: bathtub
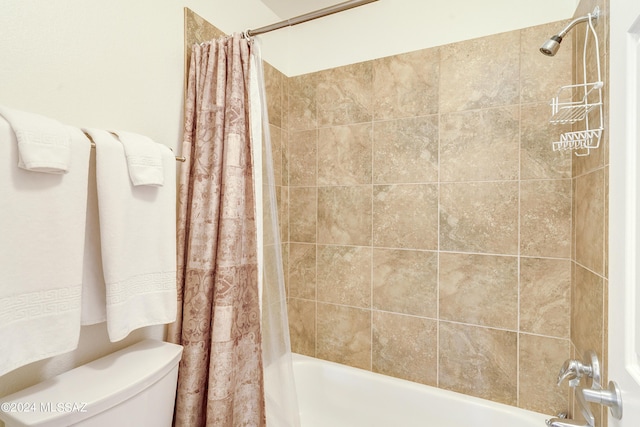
334 395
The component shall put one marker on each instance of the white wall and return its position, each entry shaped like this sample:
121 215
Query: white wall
114 64
111 64
93 63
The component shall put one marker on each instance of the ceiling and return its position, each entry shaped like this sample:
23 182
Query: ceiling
287 9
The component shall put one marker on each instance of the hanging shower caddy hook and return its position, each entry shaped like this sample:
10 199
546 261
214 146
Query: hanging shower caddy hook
581 102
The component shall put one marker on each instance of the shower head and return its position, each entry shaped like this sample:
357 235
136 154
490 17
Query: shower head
551 46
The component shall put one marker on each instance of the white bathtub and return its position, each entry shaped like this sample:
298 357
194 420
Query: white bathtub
334 395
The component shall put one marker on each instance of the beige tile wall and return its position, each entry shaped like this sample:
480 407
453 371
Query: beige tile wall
430 223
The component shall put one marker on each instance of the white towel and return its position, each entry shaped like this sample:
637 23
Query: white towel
138 240
144 159
44 144
42 224
94 299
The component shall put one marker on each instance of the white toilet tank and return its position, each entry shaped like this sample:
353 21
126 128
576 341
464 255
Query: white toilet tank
134 387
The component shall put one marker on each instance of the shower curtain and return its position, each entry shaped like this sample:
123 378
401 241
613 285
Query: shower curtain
221 251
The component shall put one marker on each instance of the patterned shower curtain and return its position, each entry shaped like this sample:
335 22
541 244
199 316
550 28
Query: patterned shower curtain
220 382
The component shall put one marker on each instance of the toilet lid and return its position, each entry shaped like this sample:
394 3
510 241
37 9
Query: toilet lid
90 389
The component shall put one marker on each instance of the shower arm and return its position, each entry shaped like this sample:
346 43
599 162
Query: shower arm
595 15
551 46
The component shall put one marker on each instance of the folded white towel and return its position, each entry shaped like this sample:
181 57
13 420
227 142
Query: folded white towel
138 240
44 144
42 224
144 159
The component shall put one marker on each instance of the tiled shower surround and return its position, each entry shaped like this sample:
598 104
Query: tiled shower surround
429 220
429 231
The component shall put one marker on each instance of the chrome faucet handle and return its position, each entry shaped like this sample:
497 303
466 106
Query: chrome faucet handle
573 370
610 397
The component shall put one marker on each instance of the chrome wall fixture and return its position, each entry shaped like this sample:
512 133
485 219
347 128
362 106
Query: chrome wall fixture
573 371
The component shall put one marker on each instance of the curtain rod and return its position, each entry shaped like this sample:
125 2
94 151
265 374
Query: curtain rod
340 7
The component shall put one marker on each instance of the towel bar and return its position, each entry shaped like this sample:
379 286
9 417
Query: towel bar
93 145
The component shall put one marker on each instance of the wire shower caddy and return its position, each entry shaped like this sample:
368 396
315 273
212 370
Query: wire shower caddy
565 109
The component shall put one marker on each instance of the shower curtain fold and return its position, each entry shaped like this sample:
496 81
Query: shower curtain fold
221 374
281 401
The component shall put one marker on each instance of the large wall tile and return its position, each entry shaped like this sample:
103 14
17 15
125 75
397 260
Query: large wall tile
405 281
344 335
302 270
271 280
344 215
479 289
545 296
480 145
405 216
480 73
406 150
277 146
478 361
302 326
303 112
545 218
345 95
284 248
283 211
540 358
605 249
285 157
268 213
479 217
274 86
302 211
537 158
406 85
286 87
590 220
344 155
405 347
303 158
344 275
587 316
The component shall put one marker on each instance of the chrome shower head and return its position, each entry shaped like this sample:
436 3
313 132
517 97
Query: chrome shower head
551 46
